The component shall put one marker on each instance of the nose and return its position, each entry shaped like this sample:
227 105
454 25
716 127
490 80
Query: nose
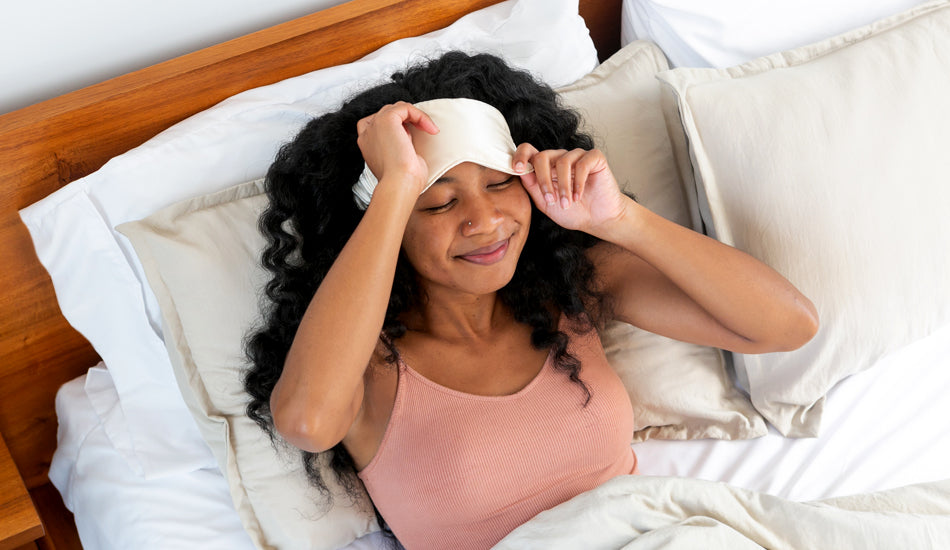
482 216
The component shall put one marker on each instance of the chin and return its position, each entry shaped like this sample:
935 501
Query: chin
489 284
481 280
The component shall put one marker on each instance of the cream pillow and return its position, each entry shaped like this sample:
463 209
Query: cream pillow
201 258
678 390
830 164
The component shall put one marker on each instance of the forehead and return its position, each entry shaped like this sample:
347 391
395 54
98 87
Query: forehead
465 171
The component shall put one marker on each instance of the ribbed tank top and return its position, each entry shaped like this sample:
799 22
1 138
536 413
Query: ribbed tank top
460 471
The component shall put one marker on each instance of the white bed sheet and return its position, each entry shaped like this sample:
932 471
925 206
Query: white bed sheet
883 428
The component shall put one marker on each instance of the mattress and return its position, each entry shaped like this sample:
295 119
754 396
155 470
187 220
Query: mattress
883 428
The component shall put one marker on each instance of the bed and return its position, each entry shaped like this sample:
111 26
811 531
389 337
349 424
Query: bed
118 403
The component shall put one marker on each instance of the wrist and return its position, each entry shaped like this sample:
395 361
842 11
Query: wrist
398 192
624 225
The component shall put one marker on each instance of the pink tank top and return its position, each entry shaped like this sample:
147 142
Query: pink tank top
459 471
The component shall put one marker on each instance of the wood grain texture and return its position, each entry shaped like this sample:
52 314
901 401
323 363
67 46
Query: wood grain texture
603 20
19 522
60 527
47 145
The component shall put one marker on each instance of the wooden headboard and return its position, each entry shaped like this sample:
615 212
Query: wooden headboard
47 145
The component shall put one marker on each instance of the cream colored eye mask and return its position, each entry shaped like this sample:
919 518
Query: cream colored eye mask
469 131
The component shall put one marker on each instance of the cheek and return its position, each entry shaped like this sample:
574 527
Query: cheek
520 204
422 244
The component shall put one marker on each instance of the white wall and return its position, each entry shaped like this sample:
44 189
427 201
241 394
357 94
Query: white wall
50 47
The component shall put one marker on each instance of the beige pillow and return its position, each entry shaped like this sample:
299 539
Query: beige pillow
678 390
830 163
201 258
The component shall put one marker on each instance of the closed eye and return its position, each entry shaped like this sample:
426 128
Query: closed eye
441 207
494 186
502 185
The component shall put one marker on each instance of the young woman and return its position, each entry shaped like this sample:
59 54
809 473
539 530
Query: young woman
437 291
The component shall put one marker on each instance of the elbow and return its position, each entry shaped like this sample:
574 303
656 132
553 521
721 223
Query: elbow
788 331
306 430
801 325
808 323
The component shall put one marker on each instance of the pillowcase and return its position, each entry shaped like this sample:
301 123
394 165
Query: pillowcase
99 283
830 164
699 33
678 390
201 257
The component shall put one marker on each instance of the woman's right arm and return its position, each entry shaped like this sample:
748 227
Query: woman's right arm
320 391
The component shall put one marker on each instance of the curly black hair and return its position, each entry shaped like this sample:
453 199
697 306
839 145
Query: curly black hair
312 214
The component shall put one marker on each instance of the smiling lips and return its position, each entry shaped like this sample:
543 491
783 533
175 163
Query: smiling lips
487 255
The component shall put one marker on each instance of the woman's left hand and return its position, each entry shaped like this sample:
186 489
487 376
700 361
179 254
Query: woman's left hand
575 188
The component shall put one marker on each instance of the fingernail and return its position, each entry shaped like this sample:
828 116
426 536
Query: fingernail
549 197
519 166
564 203
577 197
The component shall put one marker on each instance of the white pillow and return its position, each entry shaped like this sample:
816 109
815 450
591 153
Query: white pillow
116 509
700 33
830 164
98 280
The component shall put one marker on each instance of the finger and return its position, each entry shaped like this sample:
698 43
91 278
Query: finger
363 124
409 113
420 120
546 176
592 162
522 156
588 161
399 114
530 183
566 176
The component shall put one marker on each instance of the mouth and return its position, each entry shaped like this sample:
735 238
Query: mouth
487 255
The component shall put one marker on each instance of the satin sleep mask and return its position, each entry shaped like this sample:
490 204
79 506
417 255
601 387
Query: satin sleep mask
469 131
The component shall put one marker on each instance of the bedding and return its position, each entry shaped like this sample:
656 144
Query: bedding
116 507
783 146
883 428
871 437
697 33
873 441
640 513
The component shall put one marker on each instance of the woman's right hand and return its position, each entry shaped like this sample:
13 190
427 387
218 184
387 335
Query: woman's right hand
386 144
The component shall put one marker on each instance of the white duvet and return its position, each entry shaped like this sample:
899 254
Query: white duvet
647 513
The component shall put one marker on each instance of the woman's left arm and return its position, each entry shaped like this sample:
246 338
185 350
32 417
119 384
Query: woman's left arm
663 277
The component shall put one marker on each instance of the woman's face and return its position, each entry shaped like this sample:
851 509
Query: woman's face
467 230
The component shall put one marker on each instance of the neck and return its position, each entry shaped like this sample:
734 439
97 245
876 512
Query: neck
465 318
